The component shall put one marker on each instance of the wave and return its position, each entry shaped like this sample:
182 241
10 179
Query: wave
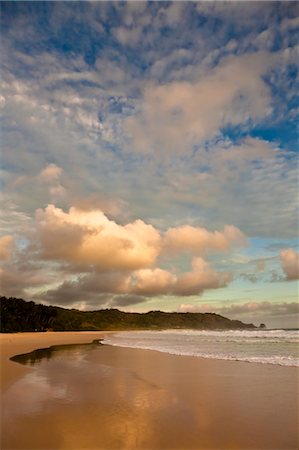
279 347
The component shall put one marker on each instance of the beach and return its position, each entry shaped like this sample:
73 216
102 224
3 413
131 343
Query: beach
104 397
16 343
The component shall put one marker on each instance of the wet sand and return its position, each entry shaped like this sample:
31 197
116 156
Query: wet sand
102 397
16 343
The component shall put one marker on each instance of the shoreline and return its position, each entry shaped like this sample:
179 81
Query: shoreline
128 398
15 344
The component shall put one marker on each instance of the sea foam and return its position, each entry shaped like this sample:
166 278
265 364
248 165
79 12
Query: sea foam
278 347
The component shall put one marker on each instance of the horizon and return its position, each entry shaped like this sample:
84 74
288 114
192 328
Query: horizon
149 157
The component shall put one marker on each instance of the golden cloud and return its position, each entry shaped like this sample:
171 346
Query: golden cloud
201 277
290 263
6 244
123 259
89 237
199 240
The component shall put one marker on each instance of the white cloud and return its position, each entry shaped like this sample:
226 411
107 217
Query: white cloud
176 116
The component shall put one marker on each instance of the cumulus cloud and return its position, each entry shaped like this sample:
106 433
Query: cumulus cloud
90 237
122 259
152 282
96 255
124 288
199 240
290 263
202 277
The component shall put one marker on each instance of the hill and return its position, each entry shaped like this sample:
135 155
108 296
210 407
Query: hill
19 315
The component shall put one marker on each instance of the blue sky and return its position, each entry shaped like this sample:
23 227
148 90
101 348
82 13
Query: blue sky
149 156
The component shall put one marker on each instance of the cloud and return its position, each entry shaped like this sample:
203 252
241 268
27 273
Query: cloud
128 36
290 263
201 277
272 309
176 116
152 282
89 237
113 282
289 24
63 114
50 173
69 293
16 283
247 16
109 205
249 308
12 219
6 246
87 291
169 113
260 266
257 272
95 255
140 284
126 300
199 240
252 277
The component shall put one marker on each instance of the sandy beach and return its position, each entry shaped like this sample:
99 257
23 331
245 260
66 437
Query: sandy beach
16 343
103 397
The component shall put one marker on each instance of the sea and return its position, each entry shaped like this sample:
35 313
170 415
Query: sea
279 347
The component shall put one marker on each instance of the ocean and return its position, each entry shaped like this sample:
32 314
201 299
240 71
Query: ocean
279 347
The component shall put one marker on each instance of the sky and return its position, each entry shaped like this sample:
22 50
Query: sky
149 156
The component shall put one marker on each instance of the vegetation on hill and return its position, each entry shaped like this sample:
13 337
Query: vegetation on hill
19 315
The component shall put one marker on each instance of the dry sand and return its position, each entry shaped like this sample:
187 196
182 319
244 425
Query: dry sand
116 398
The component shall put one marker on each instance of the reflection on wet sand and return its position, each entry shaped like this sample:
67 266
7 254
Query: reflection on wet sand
101 397
86 404
36 356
